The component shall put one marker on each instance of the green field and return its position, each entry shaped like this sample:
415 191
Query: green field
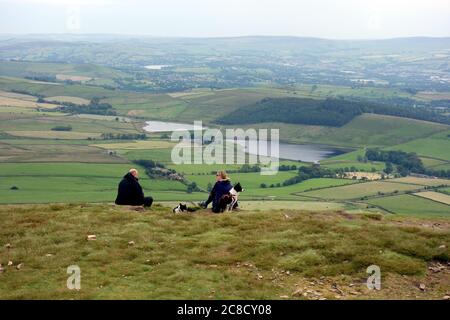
436 146
363 131
380 130
360 190
422 181
412 205
75 182
292 192
248 180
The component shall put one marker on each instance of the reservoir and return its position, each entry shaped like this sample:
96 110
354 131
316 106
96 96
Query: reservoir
289 151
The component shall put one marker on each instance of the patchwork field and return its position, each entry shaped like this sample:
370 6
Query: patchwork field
56 152
412 205
436 196
136 145
68 99
364 189
422 181
73 182
50 134
293 192
248 180
29 146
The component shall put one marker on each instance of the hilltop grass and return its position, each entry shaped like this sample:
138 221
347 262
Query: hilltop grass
246 255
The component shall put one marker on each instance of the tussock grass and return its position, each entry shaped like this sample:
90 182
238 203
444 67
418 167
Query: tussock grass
248 255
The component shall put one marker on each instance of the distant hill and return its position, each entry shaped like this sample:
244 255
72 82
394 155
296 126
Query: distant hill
329 112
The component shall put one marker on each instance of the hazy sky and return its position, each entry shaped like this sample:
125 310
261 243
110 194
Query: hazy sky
206 18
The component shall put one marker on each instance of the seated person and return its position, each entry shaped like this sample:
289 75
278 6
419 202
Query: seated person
130 191
218 193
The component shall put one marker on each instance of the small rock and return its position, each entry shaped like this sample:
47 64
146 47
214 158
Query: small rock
213 265
286 216
422 287
297 292
48 255
10 263
131 243
91 237
321 299
260 277
355 293
442 246
288 273
337 297
446 297
284 297
436 268
19 266
8 245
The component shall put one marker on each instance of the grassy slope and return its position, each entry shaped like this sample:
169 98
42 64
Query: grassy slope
380 130
436 146
364 130
241 255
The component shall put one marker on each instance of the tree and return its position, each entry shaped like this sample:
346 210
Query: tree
389 168
191 187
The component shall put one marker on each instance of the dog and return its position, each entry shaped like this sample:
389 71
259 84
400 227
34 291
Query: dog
184 208
234 195
180 208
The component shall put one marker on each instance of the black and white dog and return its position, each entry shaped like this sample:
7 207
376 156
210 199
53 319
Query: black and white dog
184 208
180 208
234 193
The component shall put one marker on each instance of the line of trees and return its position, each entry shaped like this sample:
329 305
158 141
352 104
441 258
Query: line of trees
94 107
305 173
123 136
404 163
62 128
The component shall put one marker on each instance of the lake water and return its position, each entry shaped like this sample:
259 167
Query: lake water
289 151
156 66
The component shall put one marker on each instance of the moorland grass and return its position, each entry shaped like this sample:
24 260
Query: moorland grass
246 255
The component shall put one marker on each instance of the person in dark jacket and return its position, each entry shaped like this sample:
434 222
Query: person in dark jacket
130 191
218 194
